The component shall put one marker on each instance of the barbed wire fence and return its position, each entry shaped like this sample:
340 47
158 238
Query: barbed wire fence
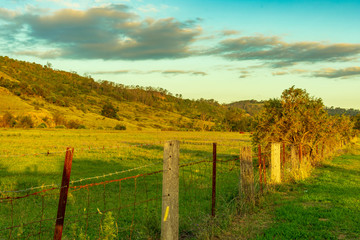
128 206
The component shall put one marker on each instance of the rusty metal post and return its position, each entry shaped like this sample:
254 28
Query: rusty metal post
63 193
213 202
260 168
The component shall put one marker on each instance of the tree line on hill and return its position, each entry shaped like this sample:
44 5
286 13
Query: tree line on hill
67 89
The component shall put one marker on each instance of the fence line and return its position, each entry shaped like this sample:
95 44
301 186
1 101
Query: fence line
84 179
139 193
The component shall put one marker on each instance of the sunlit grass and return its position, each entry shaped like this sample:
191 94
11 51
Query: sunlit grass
325 206
100 152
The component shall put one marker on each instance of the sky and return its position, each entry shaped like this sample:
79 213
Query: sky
226 50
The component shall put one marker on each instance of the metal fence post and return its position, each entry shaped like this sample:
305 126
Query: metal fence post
170 191
213 202
63 193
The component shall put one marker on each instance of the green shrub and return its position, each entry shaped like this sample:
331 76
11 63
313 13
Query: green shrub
120 127
109 111
25 122
81 126
73 124
9 120
42 125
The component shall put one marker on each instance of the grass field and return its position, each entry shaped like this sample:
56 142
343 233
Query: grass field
130 208
325 206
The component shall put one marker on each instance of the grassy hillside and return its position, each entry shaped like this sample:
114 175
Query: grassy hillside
43 92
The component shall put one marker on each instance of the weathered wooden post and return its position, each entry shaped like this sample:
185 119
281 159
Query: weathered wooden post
170 191
63 193
275 163
247 189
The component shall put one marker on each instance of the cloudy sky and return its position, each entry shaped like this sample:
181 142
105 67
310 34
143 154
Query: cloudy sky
225 50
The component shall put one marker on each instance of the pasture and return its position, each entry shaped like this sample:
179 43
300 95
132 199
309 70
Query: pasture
129 208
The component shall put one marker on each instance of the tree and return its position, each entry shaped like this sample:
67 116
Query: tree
59 119
296 118
25 122
233 119
357 122
9 120
109 111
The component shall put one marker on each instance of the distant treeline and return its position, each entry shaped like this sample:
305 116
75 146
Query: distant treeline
342 111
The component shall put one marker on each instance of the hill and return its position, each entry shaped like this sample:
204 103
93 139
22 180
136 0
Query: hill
252 107
55 98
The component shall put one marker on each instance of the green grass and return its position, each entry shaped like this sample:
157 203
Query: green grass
324 206
88 210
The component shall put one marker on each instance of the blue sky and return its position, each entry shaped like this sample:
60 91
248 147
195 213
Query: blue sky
224 50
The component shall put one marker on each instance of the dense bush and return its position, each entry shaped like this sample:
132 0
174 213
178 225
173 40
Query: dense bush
73 124
42 125
120 127
109 111
25 122
8 120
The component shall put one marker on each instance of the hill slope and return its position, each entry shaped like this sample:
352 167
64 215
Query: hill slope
45 93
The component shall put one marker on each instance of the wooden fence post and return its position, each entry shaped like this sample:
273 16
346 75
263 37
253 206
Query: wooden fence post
63 193
170 191
275 163
247 175
213 198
